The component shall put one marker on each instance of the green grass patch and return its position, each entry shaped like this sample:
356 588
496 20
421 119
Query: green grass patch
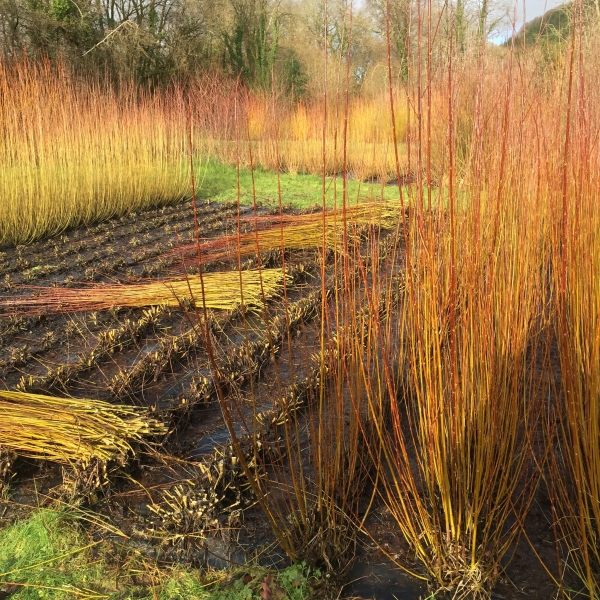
50 555
47 557
218 182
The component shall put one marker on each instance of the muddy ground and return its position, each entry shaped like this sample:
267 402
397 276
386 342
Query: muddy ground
159 360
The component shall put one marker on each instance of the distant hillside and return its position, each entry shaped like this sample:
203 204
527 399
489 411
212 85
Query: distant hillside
553 26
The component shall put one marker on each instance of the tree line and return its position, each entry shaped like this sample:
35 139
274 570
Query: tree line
257 41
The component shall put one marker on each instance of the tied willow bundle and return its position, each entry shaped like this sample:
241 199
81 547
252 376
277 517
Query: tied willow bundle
383 212
67 430
298 232
217 291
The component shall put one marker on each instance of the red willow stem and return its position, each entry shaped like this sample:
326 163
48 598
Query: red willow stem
280 205
322 371
452 295
346 248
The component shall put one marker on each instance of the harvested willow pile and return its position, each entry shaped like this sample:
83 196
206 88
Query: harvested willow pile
217 291
298 232
383 212
68 430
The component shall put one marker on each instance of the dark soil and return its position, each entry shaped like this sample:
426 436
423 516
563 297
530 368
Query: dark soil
140 246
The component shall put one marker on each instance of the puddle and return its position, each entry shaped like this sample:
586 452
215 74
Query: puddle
383 580
221 436
178 384
174 391
147 349
208 442
152 347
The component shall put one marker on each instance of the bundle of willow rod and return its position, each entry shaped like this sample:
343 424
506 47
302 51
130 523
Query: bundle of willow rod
67 430
384 213
219 291
296 232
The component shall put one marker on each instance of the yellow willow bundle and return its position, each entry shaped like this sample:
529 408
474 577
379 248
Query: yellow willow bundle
298 232
384 213
218 291
66 430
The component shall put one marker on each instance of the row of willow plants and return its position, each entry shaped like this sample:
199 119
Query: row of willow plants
441 398
75 150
